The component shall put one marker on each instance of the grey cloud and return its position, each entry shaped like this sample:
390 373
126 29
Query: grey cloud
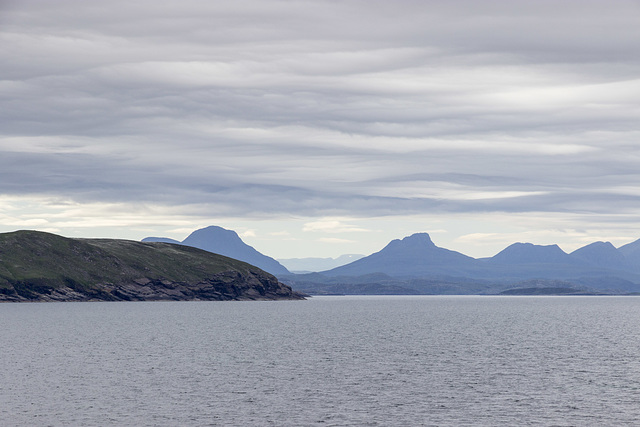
112 179
315 108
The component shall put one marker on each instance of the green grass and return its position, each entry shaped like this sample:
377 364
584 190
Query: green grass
49 261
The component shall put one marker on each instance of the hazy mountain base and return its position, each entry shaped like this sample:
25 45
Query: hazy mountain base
381 284
37 266
548 291
309 265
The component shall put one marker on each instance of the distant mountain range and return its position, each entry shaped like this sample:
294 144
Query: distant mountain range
226 242
416 265
43 267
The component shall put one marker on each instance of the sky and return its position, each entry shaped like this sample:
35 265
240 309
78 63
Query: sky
319 128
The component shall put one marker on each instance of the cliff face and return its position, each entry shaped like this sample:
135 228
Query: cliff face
38 266
220 287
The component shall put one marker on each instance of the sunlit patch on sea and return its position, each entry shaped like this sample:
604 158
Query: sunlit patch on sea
359 361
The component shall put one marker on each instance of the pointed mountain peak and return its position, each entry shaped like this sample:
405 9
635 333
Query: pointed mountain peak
413 255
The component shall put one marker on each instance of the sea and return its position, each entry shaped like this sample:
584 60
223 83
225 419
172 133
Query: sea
326 361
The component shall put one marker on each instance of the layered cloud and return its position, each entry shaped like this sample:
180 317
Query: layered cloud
323 108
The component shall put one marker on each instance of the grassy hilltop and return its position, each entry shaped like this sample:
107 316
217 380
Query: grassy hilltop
37 266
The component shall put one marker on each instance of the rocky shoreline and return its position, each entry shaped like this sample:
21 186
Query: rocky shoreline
228 286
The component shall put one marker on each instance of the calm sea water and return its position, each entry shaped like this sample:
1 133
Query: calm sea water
360 361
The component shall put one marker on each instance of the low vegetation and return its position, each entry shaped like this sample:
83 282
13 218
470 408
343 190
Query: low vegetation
43 266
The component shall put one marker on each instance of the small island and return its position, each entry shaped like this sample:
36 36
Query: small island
38 266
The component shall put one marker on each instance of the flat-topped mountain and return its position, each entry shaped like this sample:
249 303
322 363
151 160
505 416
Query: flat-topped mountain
528 253
226 242
36 266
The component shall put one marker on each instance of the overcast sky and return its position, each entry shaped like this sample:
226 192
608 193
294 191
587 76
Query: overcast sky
317 128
